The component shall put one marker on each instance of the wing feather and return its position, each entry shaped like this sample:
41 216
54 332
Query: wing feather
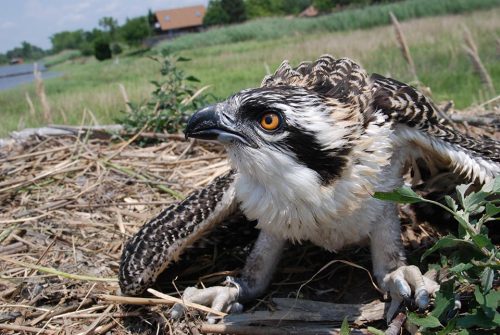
164 238
417 120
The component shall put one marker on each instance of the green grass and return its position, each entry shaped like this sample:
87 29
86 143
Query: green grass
61 57
89 86
361 18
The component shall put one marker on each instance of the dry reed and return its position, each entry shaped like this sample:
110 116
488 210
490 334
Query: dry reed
473 53
40 92
403 46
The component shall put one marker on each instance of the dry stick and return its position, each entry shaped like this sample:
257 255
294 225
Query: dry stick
52 313
175 300
24 219
396 324
97 321
333 262
134 174
241 330
57 272
40 91
105 328
400 37
107 298
26 329
33 154
473 53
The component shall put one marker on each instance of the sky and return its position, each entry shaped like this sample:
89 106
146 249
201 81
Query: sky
35 21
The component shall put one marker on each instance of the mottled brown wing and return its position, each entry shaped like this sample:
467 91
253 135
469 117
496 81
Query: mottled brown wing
164 238
405 105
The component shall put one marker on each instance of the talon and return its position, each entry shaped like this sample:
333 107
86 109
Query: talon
422 298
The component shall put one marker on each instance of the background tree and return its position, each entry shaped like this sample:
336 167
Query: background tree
26 50
215 14
225 12
235 10
67 40
109 25
135 30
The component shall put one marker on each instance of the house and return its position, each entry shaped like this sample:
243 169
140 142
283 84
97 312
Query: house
179 20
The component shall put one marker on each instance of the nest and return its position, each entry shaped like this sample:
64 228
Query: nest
69 203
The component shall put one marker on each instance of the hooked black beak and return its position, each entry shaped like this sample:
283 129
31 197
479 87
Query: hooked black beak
206 125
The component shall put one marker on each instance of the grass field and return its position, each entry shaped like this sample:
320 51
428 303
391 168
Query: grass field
91 87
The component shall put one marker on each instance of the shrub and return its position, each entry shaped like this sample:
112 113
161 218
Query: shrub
174 98
102 50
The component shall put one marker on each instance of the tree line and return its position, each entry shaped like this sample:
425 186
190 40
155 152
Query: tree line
108 39
103 42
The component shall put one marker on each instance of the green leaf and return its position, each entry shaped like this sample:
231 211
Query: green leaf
482 241
461 190
487 279
375 331
477 318
448 329
488 302
492 186
428 321
344 329
446 242
492 210
474 199
404 195
445 299
493 299
183 59
461 267
451 203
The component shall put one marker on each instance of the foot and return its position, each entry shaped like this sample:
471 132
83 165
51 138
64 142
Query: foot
219 298
402 282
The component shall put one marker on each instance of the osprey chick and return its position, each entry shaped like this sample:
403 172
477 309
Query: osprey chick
308 149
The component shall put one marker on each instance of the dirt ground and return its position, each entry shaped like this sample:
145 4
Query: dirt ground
69 203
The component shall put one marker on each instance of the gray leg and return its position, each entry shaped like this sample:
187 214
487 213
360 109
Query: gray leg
255 278
389 267
260 265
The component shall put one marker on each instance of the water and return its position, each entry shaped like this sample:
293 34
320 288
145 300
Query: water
15 75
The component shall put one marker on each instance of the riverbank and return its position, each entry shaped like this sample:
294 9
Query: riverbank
18 74
90 89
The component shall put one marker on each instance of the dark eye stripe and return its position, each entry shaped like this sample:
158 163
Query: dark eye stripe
329 164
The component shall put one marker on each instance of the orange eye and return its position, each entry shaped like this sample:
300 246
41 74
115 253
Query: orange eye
270 121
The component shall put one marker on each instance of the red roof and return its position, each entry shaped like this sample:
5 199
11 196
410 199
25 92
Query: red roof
180 17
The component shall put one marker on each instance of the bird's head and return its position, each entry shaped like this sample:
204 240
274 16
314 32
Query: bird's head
307 117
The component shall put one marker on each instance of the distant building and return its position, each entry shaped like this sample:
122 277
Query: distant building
179 20
310 11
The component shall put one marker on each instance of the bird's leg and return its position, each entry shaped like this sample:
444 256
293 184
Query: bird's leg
255 278
389 266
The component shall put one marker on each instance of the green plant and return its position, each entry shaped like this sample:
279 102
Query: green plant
468 299
102 50
172 101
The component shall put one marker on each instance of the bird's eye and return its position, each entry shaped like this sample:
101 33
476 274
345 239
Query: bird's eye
270 121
